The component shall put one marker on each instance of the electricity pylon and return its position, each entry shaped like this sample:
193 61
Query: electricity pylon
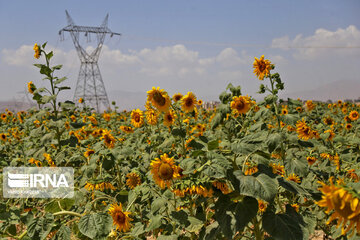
90 85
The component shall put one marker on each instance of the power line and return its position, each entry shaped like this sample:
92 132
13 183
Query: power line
222 44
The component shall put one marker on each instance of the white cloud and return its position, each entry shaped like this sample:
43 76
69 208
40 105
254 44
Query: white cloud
322 42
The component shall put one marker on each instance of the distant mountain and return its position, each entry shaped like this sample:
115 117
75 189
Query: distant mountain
333 91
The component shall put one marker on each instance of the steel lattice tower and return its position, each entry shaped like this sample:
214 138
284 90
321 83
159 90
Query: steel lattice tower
90 85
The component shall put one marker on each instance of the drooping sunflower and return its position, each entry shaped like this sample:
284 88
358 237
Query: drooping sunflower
127 129
151 116
137 118
262 67
169 118
344 204
293 177
133 180
311 160
331 136
303 130
277 169
164 170
159 98
328 120
354 115
222 186
241 104
120 218
309 105
177 97
89 152
31 87
188 102
37 51
109 139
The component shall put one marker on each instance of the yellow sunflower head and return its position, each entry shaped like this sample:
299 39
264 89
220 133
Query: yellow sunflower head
169 118
262 206
81 100
344 205
293 177
328 120
120 218
188 102
31 87
37 51
137 118
241 104
151 116
177 97
88 153
127 129
164 170
109 139
354 115
133 180
311 160
284 111
303 130
3 136
262 67
348 126
159 98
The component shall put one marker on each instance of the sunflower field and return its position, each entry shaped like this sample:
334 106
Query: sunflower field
176 170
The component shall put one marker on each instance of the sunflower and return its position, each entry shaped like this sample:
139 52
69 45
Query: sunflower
344 204
309 105
164 170
89 152
188 102
303 130
127 129
3 116
222 186
240 104
348 126
299 109
277 169
120 218
3 136
177 97
99 186
37 51
151 117
262 206
31 87
352 175
328 121
133 180
353 115
137 118
284 111
262 67
293 177
200 102
331 136
159 98
81 100
109 139
311 160
169 118
295 206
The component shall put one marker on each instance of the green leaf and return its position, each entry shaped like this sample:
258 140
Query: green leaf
195 224
213 145
157 204
273 141
261 187
45 70
155 222
96 225
178 132
196 145
40 227
284 226
245 211
57 67
63 233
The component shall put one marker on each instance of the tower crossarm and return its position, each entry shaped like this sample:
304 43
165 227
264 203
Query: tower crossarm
85 29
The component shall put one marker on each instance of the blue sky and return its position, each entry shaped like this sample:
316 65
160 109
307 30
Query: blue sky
202 32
